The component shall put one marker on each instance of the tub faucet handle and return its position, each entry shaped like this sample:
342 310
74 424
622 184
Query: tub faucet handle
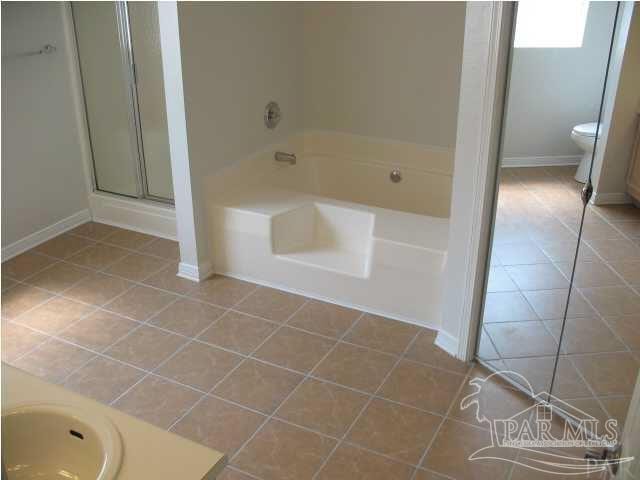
289 158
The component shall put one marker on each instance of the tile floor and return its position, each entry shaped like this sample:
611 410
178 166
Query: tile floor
535 238
290 388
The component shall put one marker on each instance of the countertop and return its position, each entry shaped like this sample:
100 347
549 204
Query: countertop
148 452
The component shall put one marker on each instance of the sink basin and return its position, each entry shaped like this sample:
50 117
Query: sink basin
47 441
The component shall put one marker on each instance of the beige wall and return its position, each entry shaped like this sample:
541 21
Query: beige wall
43 179
236 57
387 70
624 118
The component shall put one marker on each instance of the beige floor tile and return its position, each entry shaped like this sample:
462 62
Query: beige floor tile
355 367
521 339
584 335
382 334
58 277
352 463
400 432
98 256
590 274
499 281
258 386
146 347
608 373
617 407
507 307
136 267
18 340
166 279
94 230
25 265
21 299
294 349
199 366
98 289
630 229
538 374
283 452
6 283
616 250
223 291
53 360
129 239
425 475
422 386
141 303
537 277
494 401
157 401
325 318
566 251
612 300
452 447
599 231
187 317
424 350
323 407
627 327
551 304
238 332
103 380
229 474
630 271
521 253
618 213
274 305
63 246
219 425
486 350
163 248
54 315
98 331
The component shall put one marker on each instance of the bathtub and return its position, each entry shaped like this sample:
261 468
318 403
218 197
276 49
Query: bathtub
334 227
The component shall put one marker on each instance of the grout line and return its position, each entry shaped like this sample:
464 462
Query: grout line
366 405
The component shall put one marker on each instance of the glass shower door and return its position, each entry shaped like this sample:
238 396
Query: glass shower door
536 321
107 95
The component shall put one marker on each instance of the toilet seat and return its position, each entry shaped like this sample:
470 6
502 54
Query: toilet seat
586 129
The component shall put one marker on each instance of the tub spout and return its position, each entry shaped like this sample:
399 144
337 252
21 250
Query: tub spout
285 157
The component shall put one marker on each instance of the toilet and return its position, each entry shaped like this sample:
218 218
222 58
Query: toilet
584 135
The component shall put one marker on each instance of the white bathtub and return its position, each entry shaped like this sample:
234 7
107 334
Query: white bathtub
304 228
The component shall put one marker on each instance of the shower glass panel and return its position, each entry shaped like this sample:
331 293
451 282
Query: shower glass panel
107 97
145 40
533 292
121 66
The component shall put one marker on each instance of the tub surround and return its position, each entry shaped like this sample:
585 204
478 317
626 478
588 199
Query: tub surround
334 226
147 451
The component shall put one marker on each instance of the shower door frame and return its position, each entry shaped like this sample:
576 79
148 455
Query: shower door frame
135 124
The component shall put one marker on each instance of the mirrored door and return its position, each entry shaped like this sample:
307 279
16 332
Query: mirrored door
538 321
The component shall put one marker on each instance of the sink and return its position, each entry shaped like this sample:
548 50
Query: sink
48 441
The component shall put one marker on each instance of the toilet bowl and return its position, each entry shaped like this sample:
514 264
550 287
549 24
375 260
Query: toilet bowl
584 135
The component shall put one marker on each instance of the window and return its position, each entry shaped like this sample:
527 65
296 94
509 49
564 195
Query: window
549 24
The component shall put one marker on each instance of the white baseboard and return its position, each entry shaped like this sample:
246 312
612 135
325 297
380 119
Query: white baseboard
41 236
196 273
139 215
610 198
547 161
448 343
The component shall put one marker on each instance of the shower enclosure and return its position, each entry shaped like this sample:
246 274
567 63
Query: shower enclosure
121 68
554 299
